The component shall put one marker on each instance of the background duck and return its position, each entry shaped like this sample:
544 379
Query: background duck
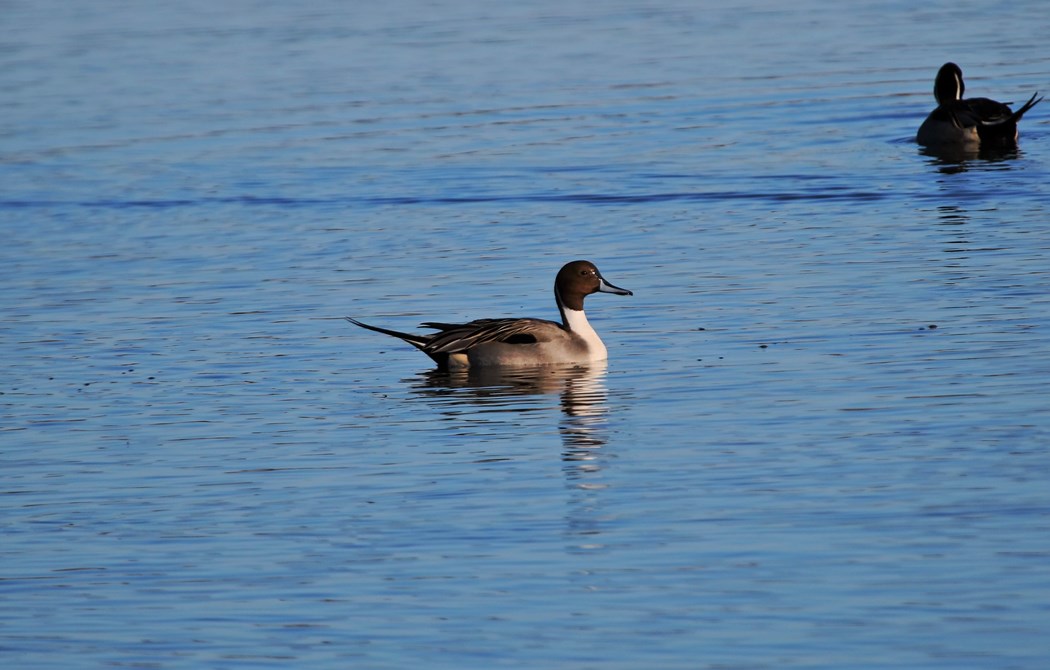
969 122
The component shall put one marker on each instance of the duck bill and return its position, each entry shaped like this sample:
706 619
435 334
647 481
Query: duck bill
606 287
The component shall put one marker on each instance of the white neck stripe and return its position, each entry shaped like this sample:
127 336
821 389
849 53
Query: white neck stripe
577 322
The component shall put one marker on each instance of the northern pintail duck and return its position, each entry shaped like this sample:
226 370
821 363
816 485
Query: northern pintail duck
521 342
970 122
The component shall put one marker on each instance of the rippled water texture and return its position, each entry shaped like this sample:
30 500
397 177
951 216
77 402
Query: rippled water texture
821 437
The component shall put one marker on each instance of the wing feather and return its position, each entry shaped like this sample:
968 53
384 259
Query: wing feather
455 338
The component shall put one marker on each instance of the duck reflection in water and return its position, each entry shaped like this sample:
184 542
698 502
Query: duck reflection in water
581 389
461 396
956 159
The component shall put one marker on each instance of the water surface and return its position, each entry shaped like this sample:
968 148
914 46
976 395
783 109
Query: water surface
820 440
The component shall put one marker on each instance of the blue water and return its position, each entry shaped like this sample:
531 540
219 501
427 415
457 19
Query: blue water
821 440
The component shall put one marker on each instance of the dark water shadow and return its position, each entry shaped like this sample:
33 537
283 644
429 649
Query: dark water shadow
821 194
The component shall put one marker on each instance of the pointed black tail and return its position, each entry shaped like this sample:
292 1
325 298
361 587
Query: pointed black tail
1032 102
415 340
